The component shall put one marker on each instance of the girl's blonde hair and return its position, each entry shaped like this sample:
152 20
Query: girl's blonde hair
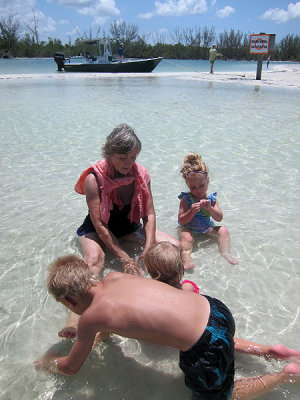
163 262
70 276
192 163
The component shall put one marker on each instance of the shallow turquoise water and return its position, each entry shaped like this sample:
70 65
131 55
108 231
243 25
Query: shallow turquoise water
48 65
51 129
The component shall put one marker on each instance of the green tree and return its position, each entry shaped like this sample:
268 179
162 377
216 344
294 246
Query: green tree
289 47
9 33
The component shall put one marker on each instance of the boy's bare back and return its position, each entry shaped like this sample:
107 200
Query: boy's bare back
140 308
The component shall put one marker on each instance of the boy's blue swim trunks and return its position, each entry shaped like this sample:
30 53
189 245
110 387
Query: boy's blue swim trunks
209 365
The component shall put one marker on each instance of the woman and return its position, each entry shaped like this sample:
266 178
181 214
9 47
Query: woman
118 195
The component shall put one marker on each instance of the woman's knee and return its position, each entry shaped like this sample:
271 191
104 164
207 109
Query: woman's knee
94 261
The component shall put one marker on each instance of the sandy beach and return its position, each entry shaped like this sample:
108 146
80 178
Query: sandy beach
277 76
285 77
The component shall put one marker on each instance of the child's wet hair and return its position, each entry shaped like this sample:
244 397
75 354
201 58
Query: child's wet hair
163 262
192 163
70 276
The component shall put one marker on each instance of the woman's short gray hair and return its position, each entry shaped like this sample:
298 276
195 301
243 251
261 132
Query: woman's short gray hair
122 140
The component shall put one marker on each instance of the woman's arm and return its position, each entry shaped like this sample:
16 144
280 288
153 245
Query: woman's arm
149 223
107 237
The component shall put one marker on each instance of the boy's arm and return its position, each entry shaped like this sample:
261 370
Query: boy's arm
70 364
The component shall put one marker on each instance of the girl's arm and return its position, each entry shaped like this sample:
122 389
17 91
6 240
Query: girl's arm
214 209
186 214
107 237
149 223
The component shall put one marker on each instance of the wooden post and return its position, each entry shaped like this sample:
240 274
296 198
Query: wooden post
259 66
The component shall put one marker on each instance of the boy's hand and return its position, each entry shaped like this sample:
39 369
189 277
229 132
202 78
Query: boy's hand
47 363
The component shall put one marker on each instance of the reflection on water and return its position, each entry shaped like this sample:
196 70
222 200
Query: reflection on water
51 130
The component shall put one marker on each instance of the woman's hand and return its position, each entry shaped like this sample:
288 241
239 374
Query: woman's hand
131 267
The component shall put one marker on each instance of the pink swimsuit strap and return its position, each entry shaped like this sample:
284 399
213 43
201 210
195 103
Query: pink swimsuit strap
196 289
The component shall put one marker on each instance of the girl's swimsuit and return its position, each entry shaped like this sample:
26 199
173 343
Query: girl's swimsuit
201 222
209 364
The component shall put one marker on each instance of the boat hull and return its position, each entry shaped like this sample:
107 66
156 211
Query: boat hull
146 65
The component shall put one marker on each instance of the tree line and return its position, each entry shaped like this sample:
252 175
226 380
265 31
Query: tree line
189 43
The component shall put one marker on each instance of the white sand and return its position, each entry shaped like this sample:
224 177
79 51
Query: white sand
280 76
277 76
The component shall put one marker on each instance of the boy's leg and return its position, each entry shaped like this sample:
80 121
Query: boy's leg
278 351
252 388
224 243
187 241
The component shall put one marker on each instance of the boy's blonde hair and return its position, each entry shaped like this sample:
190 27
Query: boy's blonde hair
192 163
70 276
164 263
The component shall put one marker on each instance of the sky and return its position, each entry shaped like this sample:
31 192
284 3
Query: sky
157 20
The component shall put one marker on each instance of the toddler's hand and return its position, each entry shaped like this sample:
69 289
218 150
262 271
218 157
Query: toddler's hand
205 203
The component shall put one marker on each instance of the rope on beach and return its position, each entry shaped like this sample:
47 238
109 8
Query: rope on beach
179 65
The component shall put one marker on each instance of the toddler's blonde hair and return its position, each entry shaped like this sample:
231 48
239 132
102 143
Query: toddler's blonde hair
192 163
164 263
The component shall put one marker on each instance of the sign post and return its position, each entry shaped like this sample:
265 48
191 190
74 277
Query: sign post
260 45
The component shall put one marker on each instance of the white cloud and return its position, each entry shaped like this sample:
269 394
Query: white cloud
16 8
280 16
146 15
213 2
177 8
100 10
225 12
63 22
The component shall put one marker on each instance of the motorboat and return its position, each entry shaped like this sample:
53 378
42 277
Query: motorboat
104 62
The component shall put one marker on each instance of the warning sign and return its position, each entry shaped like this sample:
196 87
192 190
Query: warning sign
259 44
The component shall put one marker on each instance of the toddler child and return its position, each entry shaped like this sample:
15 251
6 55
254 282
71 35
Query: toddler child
197 210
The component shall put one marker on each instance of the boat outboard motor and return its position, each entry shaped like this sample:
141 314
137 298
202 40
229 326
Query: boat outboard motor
59 58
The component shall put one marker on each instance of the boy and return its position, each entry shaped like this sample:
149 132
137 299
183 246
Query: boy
145 309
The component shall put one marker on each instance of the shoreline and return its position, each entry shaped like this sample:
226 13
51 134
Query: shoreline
278 76
281 77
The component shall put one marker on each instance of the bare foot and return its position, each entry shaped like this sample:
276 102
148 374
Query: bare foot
187 260
230 259
68 332
293 373
278 351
